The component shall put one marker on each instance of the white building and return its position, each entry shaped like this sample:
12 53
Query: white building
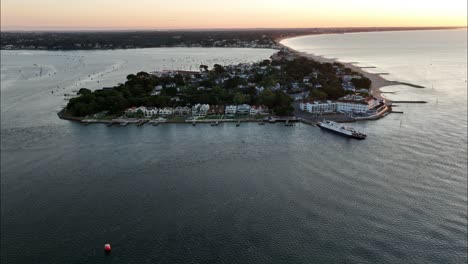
352 107
131 110
258 110
330 107
181 110
200 110
243 109
165 111
157 90
230 110
319 107
150 111
254 110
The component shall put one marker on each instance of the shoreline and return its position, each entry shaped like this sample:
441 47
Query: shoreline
377 80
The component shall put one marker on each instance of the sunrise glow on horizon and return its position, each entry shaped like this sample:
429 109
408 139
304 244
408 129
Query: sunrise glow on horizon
189 14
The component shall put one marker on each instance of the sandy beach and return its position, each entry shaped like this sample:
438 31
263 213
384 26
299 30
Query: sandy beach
377 80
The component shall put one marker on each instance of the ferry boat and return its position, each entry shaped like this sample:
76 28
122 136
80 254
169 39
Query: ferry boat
342 130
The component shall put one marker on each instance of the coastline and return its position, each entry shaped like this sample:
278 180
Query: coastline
378 81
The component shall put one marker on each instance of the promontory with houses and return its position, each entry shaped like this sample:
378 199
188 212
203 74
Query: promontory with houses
286 87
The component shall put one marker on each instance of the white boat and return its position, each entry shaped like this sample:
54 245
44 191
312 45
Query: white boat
341 129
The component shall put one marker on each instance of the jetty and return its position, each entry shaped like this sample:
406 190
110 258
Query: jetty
410 102
142 122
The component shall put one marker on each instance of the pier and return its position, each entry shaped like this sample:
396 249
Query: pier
410 102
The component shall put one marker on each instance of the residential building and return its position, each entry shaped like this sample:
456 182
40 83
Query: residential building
254 110
352 107
230 110
165 111
243 109
216 110
263 110
330 107
157 90
318 107
200 109
150 111
182 110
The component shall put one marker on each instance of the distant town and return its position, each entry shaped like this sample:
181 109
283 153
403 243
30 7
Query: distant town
91 40
285 86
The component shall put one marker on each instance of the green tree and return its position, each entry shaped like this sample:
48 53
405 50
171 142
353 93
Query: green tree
218 69
203 68
84 91
239 98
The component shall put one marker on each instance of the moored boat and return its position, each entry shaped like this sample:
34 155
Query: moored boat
341 129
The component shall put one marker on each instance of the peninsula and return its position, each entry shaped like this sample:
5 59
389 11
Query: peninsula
289 85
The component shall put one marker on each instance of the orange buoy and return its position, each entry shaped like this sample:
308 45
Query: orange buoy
107 247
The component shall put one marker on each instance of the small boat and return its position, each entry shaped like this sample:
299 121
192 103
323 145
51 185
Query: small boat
215 123
261 123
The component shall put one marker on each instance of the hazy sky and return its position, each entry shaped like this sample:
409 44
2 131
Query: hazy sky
148 14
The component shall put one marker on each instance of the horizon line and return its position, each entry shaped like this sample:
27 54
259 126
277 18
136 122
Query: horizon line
116 29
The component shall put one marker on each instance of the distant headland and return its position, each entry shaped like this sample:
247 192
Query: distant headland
104 40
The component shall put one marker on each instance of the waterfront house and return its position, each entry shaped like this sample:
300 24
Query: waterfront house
181 110
243 109
254 110
258 110
230 110
167 111
150 111
263 110
318 107
331 107
352 107
131 110
216 110
200 110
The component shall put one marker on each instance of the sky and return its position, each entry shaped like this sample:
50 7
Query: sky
204 14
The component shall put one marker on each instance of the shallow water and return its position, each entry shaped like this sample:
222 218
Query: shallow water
248 194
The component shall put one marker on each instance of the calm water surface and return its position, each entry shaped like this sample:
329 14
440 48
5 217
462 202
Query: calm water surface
248 194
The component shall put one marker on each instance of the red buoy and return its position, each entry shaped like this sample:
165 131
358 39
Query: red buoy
107 247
